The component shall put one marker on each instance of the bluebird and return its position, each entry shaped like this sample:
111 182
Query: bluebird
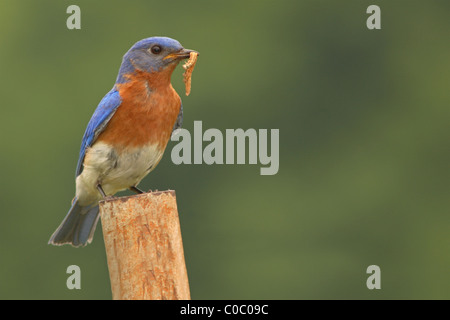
127 134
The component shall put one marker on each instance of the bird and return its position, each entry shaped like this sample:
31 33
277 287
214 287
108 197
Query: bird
126 136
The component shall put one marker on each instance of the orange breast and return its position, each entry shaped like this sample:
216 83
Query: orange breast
148 111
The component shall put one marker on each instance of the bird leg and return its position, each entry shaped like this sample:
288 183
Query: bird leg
136 189
102 192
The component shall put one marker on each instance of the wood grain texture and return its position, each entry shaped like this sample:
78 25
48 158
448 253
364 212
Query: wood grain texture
144 247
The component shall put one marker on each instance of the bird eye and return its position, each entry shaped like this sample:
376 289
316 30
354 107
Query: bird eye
156 49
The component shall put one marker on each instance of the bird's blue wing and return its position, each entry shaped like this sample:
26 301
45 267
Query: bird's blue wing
104 112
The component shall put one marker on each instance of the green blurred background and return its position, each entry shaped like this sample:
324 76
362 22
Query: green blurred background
364 155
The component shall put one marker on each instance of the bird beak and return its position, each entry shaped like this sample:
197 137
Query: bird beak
182 54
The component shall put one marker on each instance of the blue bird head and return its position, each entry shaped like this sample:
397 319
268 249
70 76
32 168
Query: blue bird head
152 55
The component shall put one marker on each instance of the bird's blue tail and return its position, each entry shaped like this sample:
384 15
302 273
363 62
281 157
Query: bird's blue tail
77 227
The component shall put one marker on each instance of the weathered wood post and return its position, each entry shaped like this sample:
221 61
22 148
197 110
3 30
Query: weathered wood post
144 247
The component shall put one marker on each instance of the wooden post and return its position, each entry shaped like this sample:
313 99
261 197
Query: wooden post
144 247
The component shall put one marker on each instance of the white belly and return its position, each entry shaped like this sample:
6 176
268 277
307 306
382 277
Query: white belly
114 171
